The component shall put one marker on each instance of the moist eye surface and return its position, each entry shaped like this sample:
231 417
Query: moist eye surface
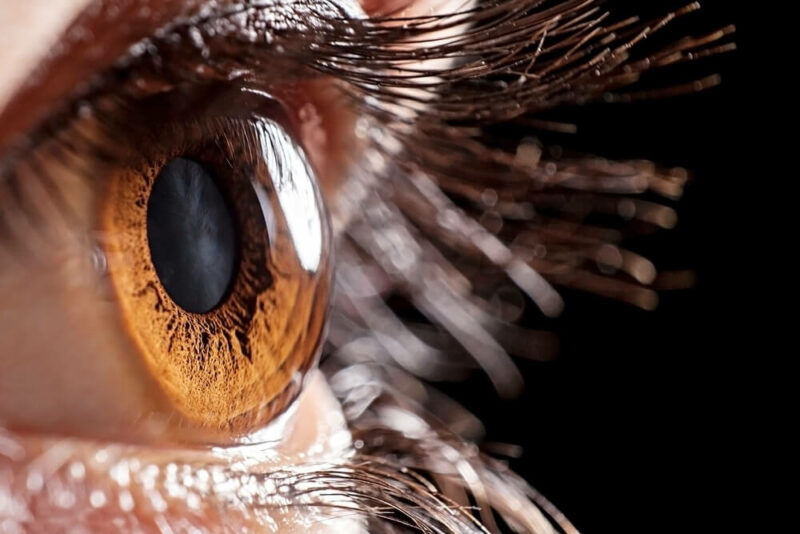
192 236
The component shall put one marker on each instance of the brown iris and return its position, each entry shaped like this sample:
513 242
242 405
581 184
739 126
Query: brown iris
227 331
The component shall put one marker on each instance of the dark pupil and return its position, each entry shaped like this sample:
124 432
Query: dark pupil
192 236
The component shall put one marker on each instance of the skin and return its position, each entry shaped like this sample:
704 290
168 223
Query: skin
28 31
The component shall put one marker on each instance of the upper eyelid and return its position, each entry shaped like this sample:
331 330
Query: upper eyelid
363 55
90 44
37 26
93 44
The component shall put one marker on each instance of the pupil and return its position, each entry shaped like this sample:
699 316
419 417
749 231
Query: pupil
192 236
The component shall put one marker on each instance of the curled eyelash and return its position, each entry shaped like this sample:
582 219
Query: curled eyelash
431 98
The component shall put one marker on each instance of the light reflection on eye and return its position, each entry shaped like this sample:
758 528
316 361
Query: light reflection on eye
295 194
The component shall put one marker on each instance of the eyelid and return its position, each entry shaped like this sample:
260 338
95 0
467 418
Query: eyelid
313 433
323 119
100 36
91 43
24 44
413 8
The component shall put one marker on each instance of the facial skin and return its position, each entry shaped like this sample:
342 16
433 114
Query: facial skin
29 31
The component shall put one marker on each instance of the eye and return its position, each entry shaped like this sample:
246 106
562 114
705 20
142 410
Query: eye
201 236
215 246
165 258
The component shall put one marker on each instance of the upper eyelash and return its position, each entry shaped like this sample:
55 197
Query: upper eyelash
560 47
372 57
440 132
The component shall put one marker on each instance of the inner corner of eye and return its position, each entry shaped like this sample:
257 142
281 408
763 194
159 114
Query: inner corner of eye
209 260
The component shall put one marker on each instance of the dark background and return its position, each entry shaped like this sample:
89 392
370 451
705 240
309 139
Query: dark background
634 427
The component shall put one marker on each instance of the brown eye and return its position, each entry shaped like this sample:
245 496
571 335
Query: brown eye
214 285
213 247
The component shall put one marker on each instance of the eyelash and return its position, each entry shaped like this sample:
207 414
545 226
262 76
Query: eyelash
543 208
582 60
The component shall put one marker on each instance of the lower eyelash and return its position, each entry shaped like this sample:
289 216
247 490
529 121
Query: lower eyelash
75 483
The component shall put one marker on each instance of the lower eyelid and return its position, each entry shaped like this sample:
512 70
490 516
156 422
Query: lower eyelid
103 482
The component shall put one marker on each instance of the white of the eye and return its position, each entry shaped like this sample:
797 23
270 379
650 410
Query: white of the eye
294 183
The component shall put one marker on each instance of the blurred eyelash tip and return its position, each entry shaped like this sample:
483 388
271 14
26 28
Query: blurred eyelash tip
730 29
643 271
537 288
647 300
675 280
511 386
507 450
529 153
709 82
661 216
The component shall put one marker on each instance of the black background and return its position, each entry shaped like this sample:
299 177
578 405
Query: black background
633 428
